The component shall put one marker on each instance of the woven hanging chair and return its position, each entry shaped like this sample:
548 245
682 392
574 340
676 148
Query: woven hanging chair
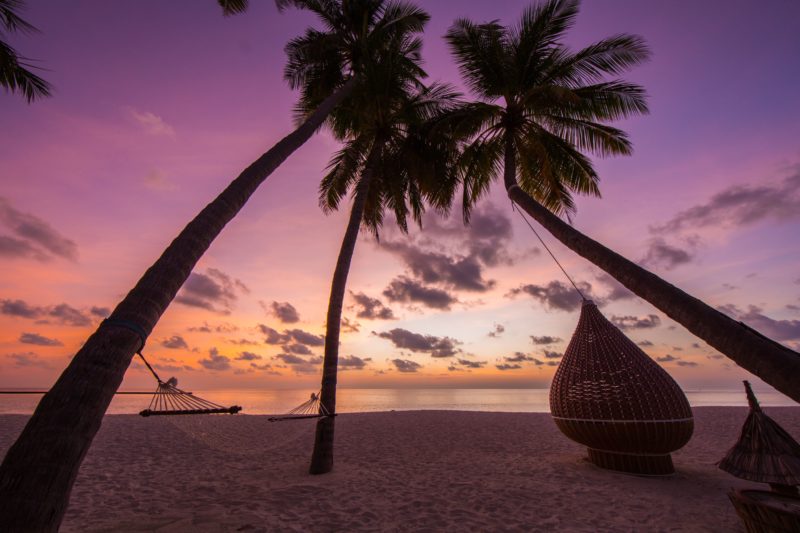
608 395
765 452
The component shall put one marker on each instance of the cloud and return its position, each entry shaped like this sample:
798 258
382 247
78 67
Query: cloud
63 314
33 236
661 254
100 312
616 290
297 348
220 328
16 248
272 336
552 355
248 356
544 339
780 330
35 338
645 343
298 364
406 365
403 289
454 272
733 207
519 357
740 205
284 312
215 361
371 308
176 342
450 257
498 330
151 123
27 360
20 308
485 237
304 337
352 362
266 367
471 364
430 344
68 315
242 342
506 366
687 363
666 359
214 291
350 326
556 295
173 368
635 322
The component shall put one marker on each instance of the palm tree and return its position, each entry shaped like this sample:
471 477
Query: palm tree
39 469
14 73
392 160
540 105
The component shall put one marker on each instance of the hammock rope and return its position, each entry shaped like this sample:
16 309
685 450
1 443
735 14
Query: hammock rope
518 210
168 399
311 408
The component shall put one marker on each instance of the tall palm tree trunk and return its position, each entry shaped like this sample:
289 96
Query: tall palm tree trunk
774 363
322 457
38 471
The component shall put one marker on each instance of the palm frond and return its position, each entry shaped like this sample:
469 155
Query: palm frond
11 20
343 169
612 56
15 76
480 52
233 7
590 136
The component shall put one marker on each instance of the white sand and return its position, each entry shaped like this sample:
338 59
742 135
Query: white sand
397 471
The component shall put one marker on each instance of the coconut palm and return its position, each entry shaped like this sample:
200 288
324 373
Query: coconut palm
393 159
540 107
15 75
39 469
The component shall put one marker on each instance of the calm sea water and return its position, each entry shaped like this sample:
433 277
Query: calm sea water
362 400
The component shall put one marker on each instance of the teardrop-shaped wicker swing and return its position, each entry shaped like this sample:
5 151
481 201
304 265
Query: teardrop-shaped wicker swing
608 395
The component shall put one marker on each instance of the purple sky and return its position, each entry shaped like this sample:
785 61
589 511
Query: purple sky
157 105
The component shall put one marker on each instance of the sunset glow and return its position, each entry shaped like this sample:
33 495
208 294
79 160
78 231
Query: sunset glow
157 106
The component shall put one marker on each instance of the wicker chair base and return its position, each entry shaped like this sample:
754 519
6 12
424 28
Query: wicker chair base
646 465
766 512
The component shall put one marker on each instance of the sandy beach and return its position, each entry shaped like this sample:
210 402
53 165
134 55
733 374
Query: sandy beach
395 471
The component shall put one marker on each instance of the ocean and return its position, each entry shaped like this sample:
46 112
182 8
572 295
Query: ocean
258 402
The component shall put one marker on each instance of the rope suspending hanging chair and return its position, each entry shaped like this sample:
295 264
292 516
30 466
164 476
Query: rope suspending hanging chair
311 408
610 396
168 399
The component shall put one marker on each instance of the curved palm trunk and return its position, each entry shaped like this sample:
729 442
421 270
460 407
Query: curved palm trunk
772 362
322 457
38 471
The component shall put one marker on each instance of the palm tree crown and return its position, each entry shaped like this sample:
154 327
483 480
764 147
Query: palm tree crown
543 102
355 36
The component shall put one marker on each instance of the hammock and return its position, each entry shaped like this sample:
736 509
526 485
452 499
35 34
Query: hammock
311 408
168 398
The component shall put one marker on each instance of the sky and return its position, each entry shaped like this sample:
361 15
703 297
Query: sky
158 105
